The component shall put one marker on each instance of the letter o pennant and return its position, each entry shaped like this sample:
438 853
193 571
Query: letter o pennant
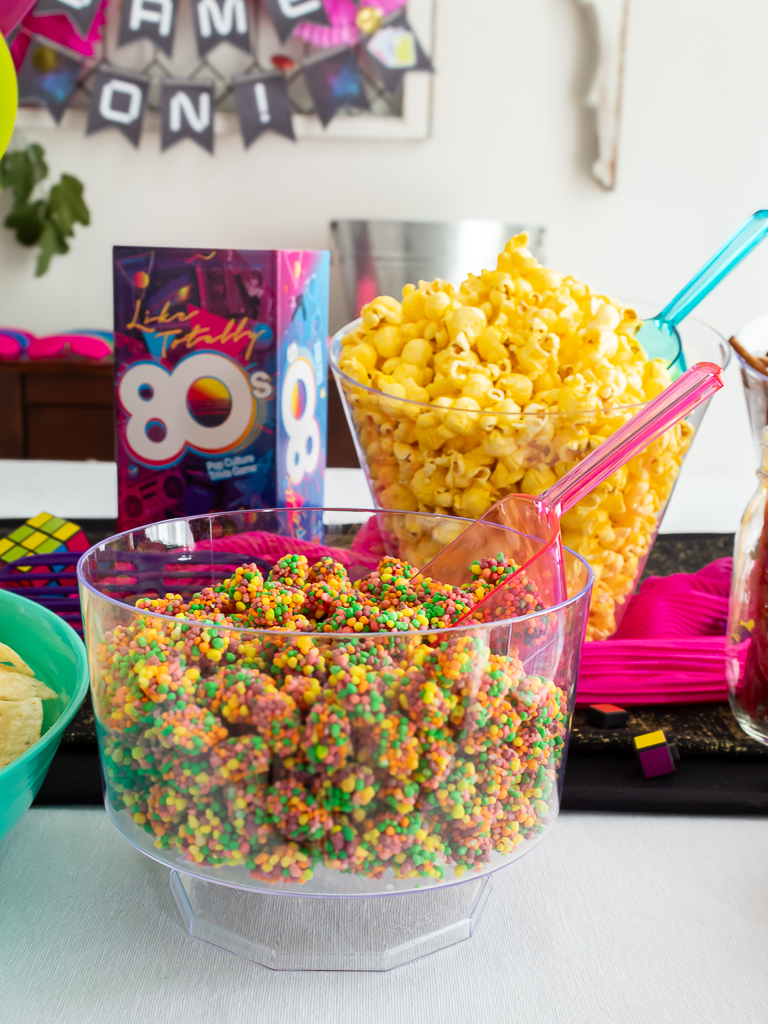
118 101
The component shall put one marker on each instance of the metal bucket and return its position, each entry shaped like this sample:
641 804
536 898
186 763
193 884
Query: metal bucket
378 257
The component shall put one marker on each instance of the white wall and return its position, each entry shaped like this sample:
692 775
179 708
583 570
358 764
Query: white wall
508 142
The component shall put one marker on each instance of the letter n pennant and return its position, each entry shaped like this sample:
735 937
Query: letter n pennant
186 112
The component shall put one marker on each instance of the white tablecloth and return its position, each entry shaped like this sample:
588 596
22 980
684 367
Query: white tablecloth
622 919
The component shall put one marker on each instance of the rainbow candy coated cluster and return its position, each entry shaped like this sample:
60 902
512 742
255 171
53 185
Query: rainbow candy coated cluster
301 720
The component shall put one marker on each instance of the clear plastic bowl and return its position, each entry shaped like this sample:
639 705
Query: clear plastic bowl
435 808
614 527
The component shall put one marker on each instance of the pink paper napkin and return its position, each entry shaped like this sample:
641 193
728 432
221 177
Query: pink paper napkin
670 647
364 554
272 547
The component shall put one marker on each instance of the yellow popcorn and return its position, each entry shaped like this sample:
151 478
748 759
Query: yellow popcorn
499 388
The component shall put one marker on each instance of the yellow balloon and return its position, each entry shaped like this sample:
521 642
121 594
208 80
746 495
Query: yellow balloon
9 96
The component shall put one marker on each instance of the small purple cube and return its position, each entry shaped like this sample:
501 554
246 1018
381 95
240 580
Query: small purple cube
654 754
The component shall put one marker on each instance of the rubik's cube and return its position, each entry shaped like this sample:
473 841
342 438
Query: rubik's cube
43 535
656 754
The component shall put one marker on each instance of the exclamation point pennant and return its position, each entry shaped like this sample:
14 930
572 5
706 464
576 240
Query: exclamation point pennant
263 105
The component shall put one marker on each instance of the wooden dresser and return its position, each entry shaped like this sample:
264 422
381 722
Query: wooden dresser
56 409
61 409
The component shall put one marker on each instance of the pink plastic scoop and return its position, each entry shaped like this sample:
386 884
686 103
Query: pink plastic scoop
526 528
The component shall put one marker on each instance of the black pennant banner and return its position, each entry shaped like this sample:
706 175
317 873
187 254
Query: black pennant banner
148 19
287 13
118 101
263 105
186 112
335 82
394 49
48 75
81 13
219 21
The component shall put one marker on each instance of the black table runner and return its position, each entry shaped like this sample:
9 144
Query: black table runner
721 771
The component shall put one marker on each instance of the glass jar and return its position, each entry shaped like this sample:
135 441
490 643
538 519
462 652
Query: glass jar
747 639
754 338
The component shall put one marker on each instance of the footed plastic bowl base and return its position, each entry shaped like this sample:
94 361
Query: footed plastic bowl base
304 933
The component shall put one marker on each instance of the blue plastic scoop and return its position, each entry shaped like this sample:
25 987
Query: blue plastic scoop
659 336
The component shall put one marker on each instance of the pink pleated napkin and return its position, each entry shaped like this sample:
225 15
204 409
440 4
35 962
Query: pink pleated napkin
670 647
272 547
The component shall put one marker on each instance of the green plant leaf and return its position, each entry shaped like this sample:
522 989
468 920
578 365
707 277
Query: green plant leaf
26 220
21 170
37 160
16 172
48 221
51 241
65 205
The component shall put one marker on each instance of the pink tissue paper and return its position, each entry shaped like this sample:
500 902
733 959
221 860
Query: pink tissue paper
669 649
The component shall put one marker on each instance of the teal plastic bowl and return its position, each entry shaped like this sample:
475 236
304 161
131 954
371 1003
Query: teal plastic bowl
57 655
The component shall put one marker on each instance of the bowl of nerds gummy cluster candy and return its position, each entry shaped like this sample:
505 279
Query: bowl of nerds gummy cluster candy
457 397
285 715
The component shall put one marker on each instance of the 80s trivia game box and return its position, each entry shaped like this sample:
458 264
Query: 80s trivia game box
220 380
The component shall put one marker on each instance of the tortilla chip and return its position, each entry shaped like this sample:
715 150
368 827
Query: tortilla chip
20 725
7 654
17 686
